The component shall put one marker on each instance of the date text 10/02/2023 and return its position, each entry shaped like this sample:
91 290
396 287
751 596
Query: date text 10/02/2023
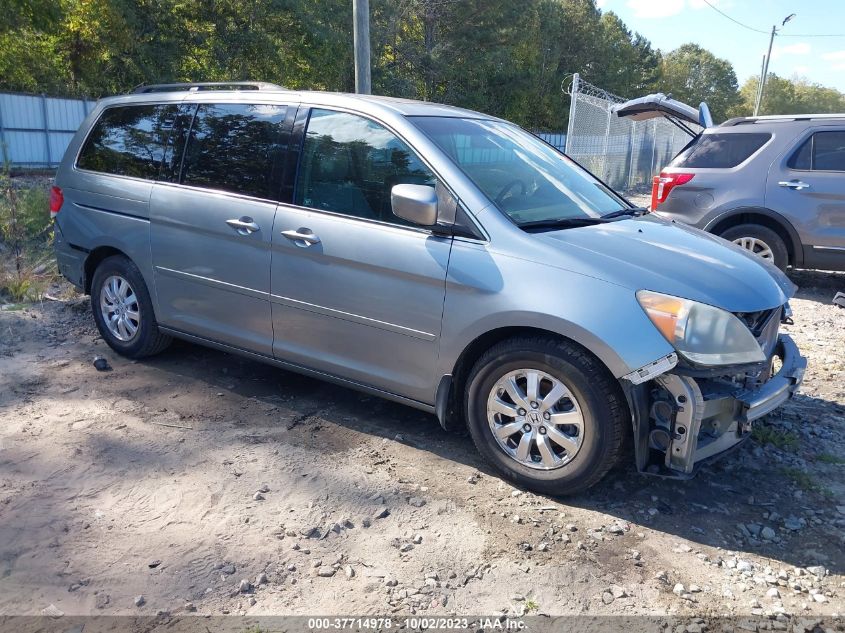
415 624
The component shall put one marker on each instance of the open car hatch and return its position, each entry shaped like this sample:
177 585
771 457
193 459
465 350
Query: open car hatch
662 105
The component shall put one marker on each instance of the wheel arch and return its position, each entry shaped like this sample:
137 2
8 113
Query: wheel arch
764 217
448 401
95 257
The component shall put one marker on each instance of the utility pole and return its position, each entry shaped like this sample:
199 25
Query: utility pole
361 36
764 75
759 85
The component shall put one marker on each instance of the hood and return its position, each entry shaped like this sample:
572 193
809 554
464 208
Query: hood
661 105
655 254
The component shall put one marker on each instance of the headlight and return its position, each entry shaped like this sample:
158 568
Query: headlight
704 335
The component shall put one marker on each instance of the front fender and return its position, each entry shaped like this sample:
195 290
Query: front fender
486 291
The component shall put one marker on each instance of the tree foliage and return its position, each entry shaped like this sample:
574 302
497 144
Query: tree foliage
692 75
503 57
790 96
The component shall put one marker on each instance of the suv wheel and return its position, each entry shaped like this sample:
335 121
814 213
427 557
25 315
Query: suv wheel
123 310
546 414
760 240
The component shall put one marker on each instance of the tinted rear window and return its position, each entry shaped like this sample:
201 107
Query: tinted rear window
238 148
128 141
823 151
720 150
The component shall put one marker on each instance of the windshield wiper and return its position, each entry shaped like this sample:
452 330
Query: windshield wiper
632 211
561 223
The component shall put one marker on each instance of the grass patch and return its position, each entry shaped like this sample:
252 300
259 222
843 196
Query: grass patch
827 458
806 482
531 605
784 440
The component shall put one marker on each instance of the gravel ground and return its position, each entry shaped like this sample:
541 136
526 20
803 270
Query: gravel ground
199 482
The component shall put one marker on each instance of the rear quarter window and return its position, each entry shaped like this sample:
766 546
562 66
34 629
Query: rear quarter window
721 151
128 141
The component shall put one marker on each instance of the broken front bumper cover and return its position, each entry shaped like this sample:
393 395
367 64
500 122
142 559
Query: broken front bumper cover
694 420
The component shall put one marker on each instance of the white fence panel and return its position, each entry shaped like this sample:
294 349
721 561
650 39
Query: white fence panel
35 130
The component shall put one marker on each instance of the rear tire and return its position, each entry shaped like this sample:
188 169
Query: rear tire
123 310
760 240
582 451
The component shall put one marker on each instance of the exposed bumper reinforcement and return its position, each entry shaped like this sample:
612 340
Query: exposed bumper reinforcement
709 417
780 388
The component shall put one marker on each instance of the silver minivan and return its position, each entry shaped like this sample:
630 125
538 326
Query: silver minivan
431 255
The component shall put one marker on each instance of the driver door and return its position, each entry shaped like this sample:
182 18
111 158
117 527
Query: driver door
357 292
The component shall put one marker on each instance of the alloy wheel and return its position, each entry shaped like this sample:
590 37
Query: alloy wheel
120 309
535 419
756 246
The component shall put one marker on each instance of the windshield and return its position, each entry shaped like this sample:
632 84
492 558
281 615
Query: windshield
527 179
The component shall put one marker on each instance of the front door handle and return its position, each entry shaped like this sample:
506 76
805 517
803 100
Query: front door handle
244 225
301 237
798 185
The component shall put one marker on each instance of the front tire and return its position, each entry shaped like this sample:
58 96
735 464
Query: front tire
760 240
123 310
546 413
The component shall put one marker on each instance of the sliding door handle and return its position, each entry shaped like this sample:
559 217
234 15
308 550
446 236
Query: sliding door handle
301 237
798 185
244 225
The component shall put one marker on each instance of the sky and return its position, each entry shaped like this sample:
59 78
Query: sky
797 48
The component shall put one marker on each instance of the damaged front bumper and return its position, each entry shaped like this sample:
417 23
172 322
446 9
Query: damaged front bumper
686 418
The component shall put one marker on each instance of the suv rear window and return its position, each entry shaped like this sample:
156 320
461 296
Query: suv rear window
128 141
720 151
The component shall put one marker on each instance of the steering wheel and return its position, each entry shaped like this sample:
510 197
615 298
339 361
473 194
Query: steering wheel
507 188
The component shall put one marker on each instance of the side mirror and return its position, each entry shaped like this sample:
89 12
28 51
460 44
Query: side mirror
415 203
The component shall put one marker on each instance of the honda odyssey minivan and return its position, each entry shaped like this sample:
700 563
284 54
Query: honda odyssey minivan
431 255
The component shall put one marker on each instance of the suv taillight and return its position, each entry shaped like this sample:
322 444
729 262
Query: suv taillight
661 186
57 199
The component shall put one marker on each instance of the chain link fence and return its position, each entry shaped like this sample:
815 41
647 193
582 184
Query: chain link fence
623 153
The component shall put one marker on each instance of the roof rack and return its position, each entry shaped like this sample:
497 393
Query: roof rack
780 117
207 85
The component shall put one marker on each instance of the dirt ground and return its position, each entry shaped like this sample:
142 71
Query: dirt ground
199 482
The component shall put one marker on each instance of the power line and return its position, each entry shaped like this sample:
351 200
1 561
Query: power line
751 28
745 26
811 34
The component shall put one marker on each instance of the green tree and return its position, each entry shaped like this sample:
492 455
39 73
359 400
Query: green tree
692 74
630 67
790 96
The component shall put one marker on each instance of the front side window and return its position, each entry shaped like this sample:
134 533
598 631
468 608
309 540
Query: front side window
349 165
525 178
720 151
128 141
238 148
823 151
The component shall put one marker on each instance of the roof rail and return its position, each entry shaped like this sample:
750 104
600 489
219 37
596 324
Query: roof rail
780 117
206 85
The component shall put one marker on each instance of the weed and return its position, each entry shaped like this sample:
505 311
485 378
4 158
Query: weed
26 230
26 284
827 458
16 287
531 605
805 481
784 440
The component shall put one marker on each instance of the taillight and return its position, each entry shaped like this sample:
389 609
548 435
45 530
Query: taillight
661 186
57 199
